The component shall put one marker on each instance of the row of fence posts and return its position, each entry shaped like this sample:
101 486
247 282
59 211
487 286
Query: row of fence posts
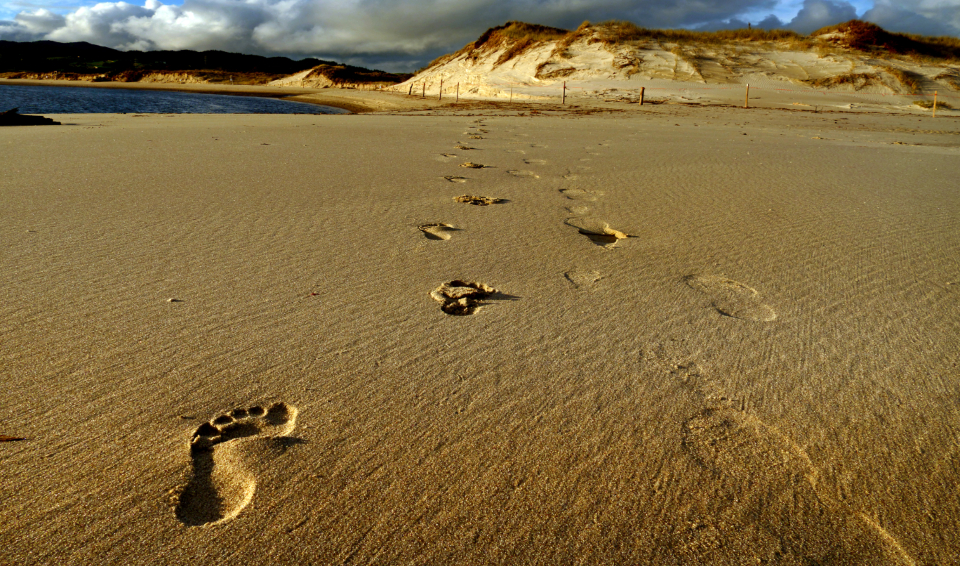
563 96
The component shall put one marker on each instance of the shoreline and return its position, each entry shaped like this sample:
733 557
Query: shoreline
392 102
356 101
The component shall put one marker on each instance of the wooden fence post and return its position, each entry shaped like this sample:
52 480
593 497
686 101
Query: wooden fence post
458 93
424 93
563 97
934 104
440 97
410 90
746 100
641 95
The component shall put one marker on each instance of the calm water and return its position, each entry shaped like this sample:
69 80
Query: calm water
78 100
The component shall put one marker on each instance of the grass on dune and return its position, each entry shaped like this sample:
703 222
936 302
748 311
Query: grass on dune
871 38
519 37
857 80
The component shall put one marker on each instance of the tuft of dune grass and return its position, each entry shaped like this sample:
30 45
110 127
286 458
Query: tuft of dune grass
929 104
857 80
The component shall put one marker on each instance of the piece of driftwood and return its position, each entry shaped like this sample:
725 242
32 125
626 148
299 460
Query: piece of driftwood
12 117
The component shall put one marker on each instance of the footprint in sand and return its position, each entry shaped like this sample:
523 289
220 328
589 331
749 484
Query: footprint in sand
578 210
581 279
518 173
438 231
520 151
538 145
535 161
472 165
220 485
446 157
464 147
455 178
580 194
477 200
732 298
598 231
772 484
461 298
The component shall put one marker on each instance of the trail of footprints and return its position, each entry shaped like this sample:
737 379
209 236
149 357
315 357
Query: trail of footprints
767 481
769 476
459 297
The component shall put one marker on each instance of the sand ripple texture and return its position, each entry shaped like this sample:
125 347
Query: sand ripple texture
235 339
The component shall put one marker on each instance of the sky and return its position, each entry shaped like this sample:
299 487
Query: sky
403 35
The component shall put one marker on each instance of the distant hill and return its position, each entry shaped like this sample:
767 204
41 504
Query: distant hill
36 59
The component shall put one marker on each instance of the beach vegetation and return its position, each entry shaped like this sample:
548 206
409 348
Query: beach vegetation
856 80
517 37
928 104
618 31
871 38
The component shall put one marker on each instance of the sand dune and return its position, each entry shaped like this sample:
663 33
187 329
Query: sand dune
281 339
509 65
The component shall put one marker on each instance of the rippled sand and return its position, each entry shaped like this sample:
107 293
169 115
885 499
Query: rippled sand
682 336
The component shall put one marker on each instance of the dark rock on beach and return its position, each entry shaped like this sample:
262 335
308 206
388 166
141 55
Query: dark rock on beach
13 118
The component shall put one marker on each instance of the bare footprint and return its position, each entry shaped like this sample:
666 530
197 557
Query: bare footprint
446 157
772 484
732 298
455 179
472 165
578 210
220 486
464 147
438 231
580 194
518 173
478 201
461 298
581 279
598 231
535 161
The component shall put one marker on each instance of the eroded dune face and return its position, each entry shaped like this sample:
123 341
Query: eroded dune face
504 66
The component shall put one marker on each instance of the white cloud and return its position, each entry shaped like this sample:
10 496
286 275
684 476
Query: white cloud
928 17
816 14
40 22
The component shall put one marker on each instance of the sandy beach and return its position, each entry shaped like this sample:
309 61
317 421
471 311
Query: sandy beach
685 335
